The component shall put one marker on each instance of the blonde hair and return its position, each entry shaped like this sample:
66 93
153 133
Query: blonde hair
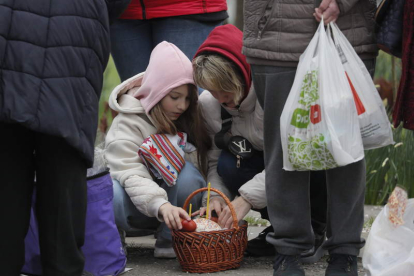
216 73
191 122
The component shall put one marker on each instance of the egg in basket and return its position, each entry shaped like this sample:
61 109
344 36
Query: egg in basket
209 248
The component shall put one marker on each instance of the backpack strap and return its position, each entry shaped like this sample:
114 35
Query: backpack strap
222 138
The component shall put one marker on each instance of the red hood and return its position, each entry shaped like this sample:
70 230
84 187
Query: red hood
227 40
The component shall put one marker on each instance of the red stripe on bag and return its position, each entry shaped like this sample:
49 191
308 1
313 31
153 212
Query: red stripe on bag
359 106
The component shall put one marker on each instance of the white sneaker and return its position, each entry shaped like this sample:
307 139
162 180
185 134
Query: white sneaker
164 253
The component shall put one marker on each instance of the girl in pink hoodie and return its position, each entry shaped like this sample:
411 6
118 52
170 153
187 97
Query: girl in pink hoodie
161 100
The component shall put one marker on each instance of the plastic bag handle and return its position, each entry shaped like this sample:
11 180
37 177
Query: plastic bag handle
233 212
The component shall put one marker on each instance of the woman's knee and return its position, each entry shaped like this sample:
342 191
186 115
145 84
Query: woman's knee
189 180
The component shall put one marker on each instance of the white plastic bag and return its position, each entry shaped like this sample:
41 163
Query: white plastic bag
319 124
389 250
373 120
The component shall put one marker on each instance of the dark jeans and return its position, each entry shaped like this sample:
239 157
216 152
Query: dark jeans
132 41
127 215
60 205
234 178
288 192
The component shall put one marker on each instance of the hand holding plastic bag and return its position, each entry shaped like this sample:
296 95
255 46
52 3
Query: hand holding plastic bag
319 123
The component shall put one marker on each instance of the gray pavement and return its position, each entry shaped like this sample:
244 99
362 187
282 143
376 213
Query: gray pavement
142 261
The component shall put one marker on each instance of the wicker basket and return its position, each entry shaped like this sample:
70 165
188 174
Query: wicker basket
202 252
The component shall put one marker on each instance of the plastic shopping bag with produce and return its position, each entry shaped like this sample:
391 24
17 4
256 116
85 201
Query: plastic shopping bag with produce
389 250
319 123
373 120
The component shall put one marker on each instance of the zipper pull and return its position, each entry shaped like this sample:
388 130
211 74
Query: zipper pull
259 35
238 161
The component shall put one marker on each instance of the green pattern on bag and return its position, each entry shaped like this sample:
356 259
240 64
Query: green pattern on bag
300 118
309 91
313 154
310 155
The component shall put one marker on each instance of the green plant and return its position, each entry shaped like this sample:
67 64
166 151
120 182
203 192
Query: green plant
252 221
383 68
390 166
369 222
111 79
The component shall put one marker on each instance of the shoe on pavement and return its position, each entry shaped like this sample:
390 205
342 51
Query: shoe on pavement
164 253
342 265
288 265
259 246
314 254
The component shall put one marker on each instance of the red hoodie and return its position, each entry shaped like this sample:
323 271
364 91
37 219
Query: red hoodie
227 40
147 9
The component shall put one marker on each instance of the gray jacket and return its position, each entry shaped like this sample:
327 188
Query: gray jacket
277 32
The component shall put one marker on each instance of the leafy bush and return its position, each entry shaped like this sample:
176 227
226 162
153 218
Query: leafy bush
390 166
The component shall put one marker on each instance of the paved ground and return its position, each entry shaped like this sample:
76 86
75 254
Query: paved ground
142 262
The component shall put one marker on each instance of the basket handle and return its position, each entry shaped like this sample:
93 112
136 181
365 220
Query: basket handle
233 212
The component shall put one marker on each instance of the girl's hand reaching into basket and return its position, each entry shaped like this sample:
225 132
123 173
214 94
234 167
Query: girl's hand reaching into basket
172 215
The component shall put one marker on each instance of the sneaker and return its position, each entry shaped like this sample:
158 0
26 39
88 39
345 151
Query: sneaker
342 265
164 253
259 246
287 265
314 254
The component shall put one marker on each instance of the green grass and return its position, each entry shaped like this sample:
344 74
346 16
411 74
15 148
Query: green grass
252 221
390 166
369 222
111 80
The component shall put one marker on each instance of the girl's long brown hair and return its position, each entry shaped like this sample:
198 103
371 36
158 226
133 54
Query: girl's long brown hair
191 122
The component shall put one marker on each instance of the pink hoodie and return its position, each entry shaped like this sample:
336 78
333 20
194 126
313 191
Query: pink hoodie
168 68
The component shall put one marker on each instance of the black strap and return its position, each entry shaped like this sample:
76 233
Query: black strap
222 138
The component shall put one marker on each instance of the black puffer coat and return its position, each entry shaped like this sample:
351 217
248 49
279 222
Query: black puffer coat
52 57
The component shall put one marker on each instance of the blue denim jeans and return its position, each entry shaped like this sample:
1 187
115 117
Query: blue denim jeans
188 181
132 41
234 177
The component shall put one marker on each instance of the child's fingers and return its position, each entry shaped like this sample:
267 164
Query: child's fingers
177 221
167 222
183 214
172 221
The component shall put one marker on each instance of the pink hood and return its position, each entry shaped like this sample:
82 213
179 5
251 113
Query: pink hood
168 68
